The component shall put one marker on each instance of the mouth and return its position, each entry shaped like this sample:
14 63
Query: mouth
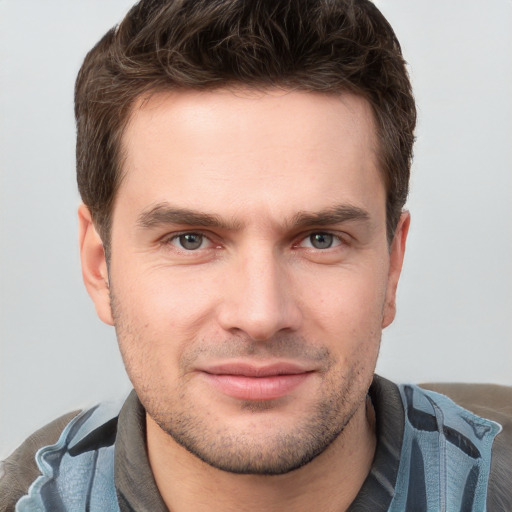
251 382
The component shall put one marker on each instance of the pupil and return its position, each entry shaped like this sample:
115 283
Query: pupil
321 240
191 241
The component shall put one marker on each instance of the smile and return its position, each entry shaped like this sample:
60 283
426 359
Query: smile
247 382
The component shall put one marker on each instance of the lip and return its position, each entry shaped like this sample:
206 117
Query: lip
252 382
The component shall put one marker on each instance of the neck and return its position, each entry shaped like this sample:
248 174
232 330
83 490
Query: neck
330 482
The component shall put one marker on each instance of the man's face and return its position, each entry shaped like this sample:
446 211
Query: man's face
250 274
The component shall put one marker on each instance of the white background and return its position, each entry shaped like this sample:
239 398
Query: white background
455 299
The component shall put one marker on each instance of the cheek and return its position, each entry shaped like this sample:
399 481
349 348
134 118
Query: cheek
159 315
168 300
347 300
344 313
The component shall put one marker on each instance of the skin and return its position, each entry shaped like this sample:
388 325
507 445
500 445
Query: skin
276 172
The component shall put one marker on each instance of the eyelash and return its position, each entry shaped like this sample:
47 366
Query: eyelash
338 239
166 241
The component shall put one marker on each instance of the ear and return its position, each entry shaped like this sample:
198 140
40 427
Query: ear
94 265
396 259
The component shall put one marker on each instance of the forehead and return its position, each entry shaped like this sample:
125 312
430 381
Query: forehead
248 149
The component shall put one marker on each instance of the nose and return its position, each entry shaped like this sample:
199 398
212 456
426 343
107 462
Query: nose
259 297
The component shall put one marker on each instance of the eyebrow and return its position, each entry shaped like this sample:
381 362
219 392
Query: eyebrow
330 216
164 213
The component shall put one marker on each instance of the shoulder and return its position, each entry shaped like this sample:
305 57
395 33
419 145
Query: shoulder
489 401
64 463
482 399
19 470
493 402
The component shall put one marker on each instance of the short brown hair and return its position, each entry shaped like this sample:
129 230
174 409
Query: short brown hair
330 46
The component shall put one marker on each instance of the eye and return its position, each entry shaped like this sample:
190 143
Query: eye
189 241
320 241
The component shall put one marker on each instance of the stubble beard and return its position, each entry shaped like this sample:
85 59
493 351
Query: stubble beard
241 452
278 451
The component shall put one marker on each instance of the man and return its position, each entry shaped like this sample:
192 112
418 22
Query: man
244 168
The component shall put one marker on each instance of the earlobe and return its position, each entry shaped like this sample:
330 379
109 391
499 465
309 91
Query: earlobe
94 265
395 267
